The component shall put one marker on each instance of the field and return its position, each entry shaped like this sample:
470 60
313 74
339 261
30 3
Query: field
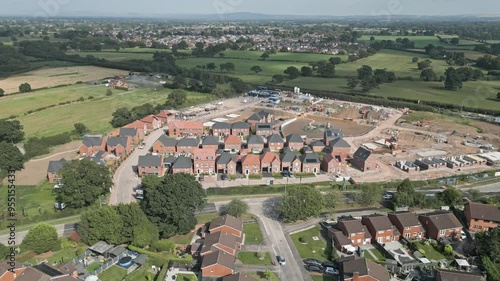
95 114
422 41
114 273
33 199
52 77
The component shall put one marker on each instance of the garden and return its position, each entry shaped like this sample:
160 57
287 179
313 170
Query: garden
310 244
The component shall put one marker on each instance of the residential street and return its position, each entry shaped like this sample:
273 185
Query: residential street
62 230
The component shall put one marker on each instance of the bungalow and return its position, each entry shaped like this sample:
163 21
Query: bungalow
481 217
310 163
204 160
179 128
210 142
217 264
131 133
240 129
53 170
186 146
119 146
165 117
152 122
221 129
290 162
363 270
91 144
440 225
270 162
331 134
317 146
255 143
364 160
233 143
264 129
165 145
150 165
294 142
331 164
250 164
275 142
142 128
226 164
228 224
340 148
407 224
348 234
380 228
182 164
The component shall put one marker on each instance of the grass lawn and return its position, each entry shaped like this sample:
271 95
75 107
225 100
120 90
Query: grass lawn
186 277
34 200
93 267
313 249
181 239
117 56
429 251
113 273
422 41
204 218
259 276
376 253
325 277
61 256
253 234
142 274
251 258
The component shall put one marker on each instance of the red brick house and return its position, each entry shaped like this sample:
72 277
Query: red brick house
331 164
182 164
270 162
131 133
220 241
232 142
165 145
275 142
348 234
381 228
260 117
290 162
150 165
340 149
210 142
250 164
221 129
53 175
294 142
119 146
481 217
238 277
255 143
226 164
363 270
152 122
179 128
240 129
91 144
364 160
440 224
408 225
310 163
317 146
228 224
186 146
118 83
142 128
264 129
217 264
204 161
165 117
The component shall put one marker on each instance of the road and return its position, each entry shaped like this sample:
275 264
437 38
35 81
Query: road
62 230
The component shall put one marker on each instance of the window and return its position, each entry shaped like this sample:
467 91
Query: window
407 235
407 228
380 239
359 240
380 232
441 232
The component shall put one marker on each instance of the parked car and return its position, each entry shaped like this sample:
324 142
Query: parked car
201 178
142 145
223 177
330 264
463 236
325 224
281 260
331 270
315 268
387 196
310 261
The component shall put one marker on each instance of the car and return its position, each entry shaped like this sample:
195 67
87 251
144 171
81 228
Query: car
201 178
387 196
223 177
463 236
286 174
142 145
281 260
331 270
59 185
325 225
330 264
315 268
310 261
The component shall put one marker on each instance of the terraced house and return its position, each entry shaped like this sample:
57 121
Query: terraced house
204 161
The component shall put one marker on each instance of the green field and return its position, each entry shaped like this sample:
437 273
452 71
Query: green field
116 56
34 200
285 56
253 234
422 41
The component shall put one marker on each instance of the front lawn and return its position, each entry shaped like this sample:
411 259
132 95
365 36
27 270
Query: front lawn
428 251
277 176
311 248
260 276
252 258
113 273
255 177
253 234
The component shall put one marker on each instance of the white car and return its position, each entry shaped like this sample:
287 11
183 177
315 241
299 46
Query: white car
281 260
331 270
142 145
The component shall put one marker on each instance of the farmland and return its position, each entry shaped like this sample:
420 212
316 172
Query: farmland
422 41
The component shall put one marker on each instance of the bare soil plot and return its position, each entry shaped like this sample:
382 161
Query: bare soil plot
350 128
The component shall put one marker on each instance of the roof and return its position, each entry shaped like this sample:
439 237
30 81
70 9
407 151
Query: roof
309 158
227 220
141 259
222 238
254 139
219 257
210 140
263 126
268 157
169 160
188 142
225 158
221 126
406 219
255 117
182 163
89 140
251 159
352 225
288 156
48 270
448 275
31 274
317 143
115 141
67 268
484 212
149 119
365 267
339 142
443 220
186 124
149 161
238 277
128 132
55 166
334 133
204 153
101 247
362 153
275 138
341 238
117 250
232 139
166 141
264 113
379 222
241 125
164 114
136 124
329 157
294 138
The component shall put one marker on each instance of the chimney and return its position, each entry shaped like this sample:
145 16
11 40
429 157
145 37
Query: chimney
355 276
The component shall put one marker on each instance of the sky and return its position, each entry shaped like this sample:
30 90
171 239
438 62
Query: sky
275 7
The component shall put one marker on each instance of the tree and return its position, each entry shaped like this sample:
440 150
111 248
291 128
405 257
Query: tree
428 75
306 71
473 194
488 243
424 64
136 226
352 83
80 129
369 195
24 88
335 60
109 92
11 131
4 251
492 271
498 96
211 66
171 204
84 181
2 92
278 78
12 158
414 60
368 84
256 69
292 72
176 98
365 73
301 203
455 41
40 239
222 55
450 196
332 199
121 117
453 80
326 69
101 224
267 274
264 56
228 66
237 208
448 250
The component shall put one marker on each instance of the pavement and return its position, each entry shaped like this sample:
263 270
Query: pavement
62 230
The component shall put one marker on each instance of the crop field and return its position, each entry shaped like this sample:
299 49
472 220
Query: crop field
52 77
422 41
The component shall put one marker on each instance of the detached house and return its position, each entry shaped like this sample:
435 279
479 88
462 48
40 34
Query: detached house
165 117
364 160
217 264
179 128
182 164
119 146
221 129
210 142
226 164
408 225
240 129
275 142
150 165
317 146
228 224
131 133
186 146
91 144
53 170
363 270
380 228
270 162
481 217
255 143
310 163
264 129
233 143
250 164
204 161
152 122
348 234
294 142
440 225
260 117
165 145
290 162
331 134
331 164
340 149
